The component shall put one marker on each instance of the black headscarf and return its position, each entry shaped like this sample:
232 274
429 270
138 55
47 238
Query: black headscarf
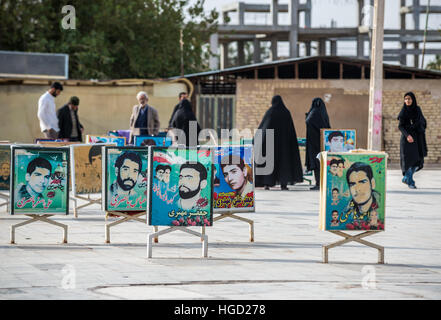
317 118
409 112
287 165
182 117
318 115
413 123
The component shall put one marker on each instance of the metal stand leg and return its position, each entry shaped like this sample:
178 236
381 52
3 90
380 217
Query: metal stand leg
156 230
126 218
203 233
232 215
75 212
5 197
356 238
35 218
172 229
89 201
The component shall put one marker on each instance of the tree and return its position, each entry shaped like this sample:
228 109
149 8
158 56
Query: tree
113 38
435 65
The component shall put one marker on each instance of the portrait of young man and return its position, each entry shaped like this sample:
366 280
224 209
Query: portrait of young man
364 198
192 180
336 141
163 173
237 175
38 175
128 167
336 167
95 160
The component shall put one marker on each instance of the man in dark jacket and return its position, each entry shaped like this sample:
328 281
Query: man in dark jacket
70 126
182 96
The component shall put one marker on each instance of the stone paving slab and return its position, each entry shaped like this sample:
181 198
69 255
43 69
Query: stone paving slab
284 262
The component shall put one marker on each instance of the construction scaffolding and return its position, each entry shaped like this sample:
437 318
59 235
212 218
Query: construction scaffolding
242 33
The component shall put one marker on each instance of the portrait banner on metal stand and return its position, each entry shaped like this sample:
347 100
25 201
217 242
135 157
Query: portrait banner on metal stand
181 187
125 178
233 179
5 167
353 190
40 180
86 168
163 141
120 141
338 140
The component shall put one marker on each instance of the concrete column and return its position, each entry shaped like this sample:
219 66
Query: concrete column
416 14
416 21
322 47
360 42
360 46
308 25
241 52
256 50
241 13
308 14
403 57
274 53
214 48
333 47
416 57
224 55
294 32
274 9
308 48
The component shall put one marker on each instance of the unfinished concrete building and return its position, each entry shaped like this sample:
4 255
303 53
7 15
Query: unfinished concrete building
410 40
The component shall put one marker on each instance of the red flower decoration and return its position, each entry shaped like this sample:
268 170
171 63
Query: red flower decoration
350 226
51 194
202 202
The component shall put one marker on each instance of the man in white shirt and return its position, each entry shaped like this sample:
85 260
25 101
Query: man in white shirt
46 111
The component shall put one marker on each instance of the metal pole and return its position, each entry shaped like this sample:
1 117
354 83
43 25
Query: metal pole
425 34
376 79
181 45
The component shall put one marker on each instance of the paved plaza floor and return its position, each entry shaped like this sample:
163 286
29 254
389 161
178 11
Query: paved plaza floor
284 262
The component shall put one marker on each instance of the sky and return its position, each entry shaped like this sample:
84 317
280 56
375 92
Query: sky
343 13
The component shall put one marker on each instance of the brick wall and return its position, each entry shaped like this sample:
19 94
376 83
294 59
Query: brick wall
253 98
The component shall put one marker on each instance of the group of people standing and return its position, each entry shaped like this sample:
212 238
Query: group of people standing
287 164
63 123
144 120
287 169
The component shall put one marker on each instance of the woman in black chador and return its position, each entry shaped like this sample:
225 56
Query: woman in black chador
181 120
287 165
316 119
413 147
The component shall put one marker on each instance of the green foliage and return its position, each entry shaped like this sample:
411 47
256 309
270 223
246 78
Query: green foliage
435 65
113 39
